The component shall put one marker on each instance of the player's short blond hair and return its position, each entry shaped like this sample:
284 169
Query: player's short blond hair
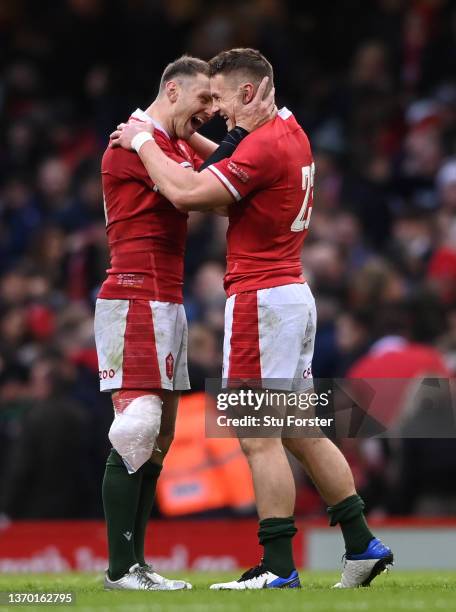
186 65
248 62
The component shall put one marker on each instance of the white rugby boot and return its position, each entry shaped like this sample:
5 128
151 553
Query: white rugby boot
165 584
259 578
143 579
360 570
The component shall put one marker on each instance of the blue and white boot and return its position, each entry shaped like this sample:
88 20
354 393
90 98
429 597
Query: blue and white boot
360 570
259 578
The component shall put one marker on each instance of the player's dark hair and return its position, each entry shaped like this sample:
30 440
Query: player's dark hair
247 61
184 66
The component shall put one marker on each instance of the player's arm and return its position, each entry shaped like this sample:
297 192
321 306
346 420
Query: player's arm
221 211
203 146
185 188
225 149
179 184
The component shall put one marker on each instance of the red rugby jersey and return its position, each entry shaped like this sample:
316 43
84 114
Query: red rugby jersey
392 373
271 176
146 234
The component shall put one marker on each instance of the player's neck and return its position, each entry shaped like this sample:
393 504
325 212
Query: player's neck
160 113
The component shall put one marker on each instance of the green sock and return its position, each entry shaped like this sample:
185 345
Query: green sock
121 492
276 534
349 514
151 472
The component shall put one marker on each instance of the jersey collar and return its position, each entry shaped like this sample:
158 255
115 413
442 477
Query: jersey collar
142 116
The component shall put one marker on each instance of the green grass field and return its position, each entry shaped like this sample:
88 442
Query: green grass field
396 590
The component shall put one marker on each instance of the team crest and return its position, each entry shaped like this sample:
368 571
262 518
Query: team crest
169 361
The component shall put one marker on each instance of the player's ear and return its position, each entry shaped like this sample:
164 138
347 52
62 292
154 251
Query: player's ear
172 91
248 92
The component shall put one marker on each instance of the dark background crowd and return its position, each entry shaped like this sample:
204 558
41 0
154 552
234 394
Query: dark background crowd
373 83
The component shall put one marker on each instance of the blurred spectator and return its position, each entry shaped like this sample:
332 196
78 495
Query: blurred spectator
48 474
353 336
203 355
396 475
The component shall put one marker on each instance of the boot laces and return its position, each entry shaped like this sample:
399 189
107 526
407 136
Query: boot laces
253 572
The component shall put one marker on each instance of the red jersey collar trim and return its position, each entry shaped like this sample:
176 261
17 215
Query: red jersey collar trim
142 116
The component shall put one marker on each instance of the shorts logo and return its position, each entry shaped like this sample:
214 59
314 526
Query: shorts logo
307 373
239 172
104 374
169 361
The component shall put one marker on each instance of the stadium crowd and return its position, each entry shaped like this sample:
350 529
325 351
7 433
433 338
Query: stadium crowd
374 86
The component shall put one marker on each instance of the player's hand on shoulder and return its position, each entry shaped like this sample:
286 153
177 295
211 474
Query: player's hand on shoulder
258 111
125 132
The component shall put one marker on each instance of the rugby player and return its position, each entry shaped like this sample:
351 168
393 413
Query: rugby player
270 317
140 323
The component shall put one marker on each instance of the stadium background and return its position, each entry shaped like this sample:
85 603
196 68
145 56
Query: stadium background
374 85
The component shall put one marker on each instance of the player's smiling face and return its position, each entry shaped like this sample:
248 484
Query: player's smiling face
193 106
226 91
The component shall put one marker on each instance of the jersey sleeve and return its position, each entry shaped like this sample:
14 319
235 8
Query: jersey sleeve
254 165
135 168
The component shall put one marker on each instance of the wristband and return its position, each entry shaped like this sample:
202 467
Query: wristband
138 140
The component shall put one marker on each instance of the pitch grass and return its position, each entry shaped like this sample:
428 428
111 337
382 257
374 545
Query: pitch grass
395 591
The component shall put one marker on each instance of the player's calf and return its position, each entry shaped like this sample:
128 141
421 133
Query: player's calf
167 426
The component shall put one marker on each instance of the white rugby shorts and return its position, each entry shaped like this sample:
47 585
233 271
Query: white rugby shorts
270 337
141 344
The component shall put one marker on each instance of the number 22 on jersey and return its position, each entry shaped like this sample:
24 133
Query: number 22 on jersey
303 218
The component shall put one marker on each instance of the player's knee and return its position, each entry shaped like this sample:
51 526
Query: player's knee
300 447
136 426
252 447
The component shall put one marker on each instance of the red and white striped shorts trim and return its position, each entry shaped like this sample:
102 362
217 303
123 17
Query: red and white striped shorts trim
141 344
270 337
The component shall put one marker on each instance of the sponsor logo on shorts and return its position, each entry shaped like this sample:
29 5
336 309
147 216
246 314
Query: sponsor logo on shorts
307 373
104 374
169 361
239 172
